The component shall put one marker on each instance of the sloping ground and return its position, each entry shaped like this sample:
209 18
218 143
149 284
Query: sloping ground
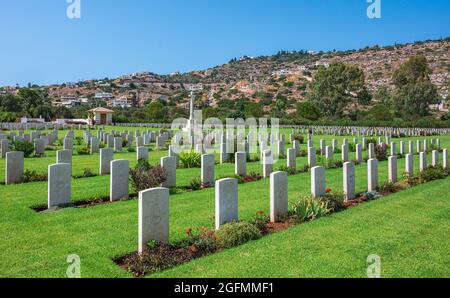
408 230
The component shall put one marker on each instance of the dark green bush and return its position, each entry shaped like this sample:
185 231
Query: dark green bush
237 233
335 201
34 176
431 173
87 172
21 145
83 151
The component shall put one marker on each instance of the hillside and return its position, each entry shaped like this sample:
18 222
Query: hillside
259 79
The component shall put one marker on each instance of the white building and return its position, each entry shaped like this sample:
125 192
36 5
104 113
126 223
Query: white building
103 95
101 116
121 102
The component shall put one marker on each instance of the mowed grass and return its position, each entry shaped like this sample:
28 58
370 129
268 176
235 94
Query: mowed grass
408 230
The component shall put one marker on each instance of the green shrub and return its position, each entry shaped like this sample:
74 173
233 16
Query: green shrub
78 140
131 149
381 152
289 170
195 184
309 208
190 159
21 145
299 137
387 187
34 176
335 201
83 151
143 164
143 178
431 173
203 240
237 233
87 172
260 220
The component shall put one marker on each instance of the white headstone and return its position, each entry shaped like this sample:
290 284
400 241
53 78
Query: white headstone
226 201
278 195
106 156
14 167
240 163
59 189
169 164
119 179
207 169
153 223
392 168
142 153
372 175
318 181
349 180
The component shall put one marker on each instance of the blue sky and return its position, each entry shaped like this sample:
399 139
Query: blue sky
114 37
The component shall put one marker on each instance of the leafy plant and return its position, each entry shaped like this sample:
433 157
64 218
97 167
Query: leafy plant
78 140
309 208
195 184
143 164
387 187
83 151
236 233
289 170
87 172
335 201
431 173
260 220
381 152
143 178
190 159
34 176
202 240
21 145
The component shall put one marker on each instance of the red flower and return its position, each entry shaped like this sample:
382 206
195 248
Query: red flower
328 190
188 231
260 212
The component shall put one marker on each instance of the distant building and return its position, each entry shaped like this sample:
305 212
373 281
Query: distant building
69 101
121 102
103 95
101 116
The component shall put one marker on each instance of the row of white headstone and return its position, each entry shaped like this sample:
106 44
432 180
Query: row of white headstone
154 203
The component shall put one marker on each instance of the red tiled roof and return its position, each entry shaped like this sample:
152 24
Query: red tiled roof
101 110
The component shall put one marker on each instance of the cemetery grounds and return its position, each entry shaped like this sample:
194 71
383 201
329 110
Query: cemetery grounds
409 230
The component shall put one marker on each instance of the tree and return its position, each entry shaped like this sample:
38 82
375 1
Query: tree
335 87
156 111
383 95
414 92
35 103
380 112
10 103
308 110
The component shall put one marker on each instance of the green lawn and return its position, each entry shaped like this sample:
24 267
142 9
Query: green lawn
409 230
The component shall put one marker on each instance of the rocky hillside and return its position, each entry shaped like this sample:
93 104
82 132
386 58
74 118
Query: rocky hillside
265 78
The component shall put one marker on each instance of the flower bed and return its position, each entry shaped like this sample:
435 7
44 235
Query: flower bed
204 241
